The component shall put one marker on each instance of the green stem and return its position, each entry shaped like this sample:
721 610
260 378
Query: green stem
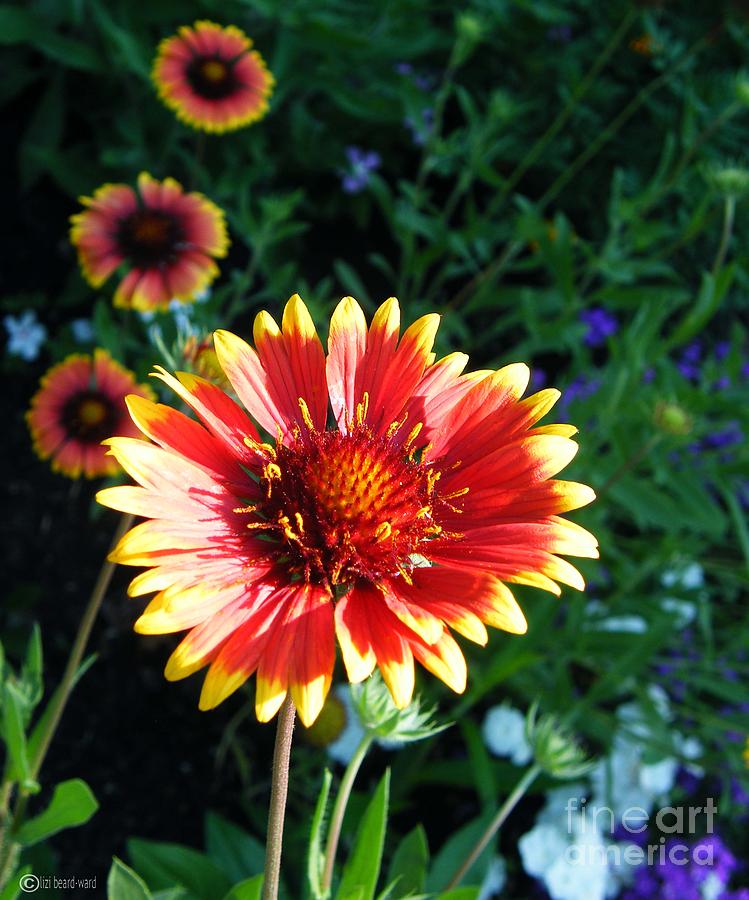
629 464
496 823
339 810
512 249
409 241
279 790
729 211
561 120
62 695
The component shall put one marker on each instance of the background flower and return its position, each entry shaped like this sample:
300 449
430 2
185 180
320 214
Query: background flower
25 335
80 402
211 78
167 238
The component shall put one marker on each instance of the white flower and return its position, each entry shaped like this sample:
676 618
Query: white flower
684 612
504 734
690 576
25 335
344 746
541 847
658 778
494 880
628 624
565 849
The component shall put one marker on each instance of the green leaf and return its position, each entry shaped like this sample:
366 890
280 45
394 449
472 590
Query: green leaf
163 865
125 884
456 849
249 889
363 866
461 893
16 25
237 853
72 804
408 867
315 857
14 735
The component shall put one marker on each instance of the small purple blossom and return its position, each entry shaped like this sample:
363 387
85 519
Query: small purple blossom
648 376
361 165
601 325
689 361
579 388
421 129
559 34
538 379
25 335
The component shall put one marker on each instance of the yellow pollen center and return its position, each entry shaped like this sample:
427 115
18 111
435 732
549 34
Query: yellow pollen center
213 70
92 411
348 506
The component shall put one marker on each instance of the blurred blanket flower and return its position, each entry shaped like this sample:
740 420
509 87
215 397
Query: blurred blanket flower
25 335
80 402
169 239
211 77
402 520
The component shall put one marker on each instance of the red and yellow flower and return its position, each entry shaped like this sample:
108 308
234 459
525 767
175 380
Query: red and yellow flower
374 496
211 77
80 402
167 238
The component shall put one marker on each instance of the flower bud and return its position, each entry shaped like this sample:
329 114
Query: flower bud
672 419
390 725
556 751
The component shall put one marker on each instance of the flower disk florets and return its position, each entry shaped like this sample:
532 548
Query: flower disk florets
349 506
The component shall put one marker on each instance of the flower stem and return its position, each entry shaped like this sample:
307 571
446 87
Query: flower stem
496 823
339 810
60 698
729 211
278 791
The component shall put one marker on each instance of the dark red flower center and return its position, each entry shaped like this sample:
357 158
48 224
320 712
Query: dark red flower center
89 416
212 77
150 237
349 506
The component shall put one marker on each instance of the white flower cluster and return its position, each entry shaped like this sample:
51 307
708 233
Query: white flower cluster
571 848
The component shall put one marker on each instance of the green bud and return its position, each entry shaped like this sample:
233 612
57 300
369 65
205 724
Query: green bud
741 87
469 32
672 419
556 751
729 180
382 718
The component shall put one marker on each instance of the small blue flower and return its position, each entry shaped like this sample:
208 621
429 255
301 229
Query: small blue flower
25 335
361 165
601 325
83 330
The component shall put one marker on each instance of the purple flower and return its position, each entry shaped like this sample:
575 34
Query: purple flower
421 130
579 388
559 34
648 376
361 164
538 379
728 436
689 361
722 349
601 325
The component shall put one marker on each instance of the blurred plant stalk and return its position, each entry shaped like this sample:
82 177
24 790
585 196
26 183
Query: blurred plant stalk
9 849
